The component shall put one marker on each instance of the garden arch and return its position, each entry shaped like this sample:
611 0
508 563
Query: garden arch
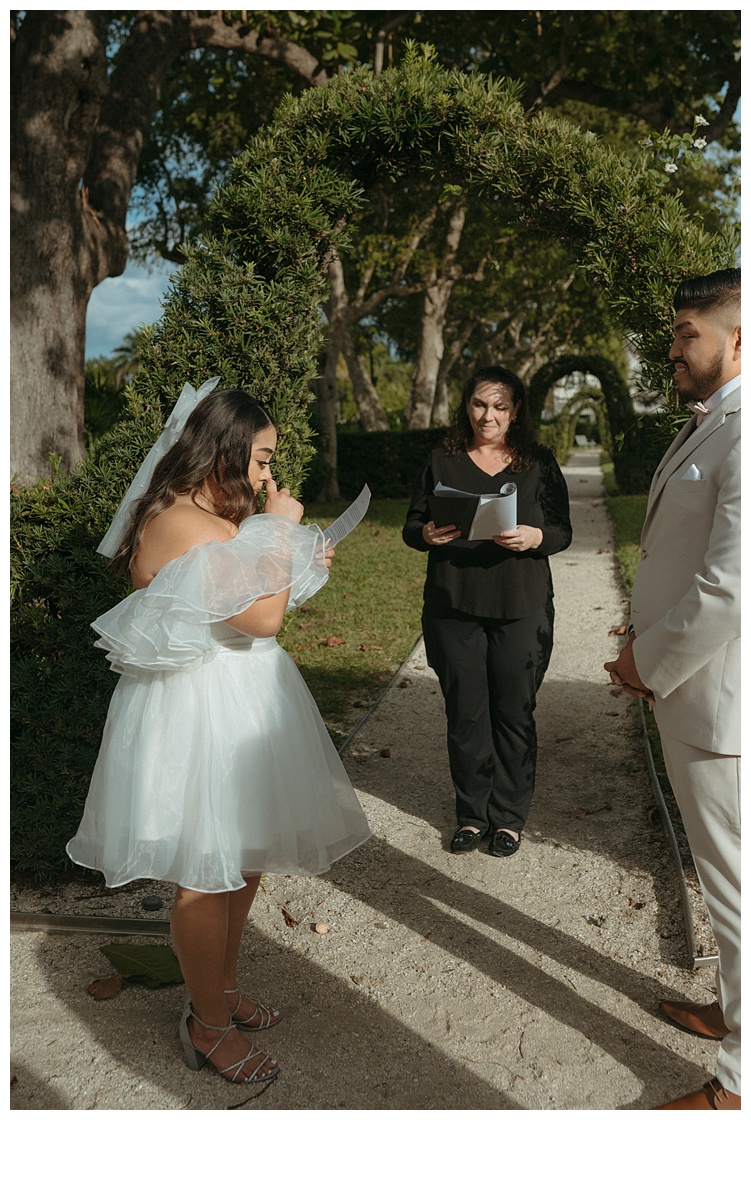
246 307
616 396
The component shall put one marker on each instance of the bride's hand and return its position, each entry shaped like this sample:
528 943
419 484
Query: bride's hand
282 503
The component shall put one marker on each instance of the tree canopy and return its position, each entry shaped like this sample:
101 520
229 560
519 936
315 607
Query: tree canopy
128 120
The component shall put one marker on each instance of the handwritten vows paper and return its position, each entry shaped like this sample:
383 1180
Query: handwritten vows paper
351 517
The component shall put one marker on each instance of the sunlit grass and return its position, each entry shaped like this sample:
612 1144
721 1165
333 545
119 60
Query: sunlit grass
627 513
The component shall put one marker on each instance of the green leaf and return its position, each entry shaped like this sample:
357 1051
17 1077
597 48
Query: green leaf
155 966
449 189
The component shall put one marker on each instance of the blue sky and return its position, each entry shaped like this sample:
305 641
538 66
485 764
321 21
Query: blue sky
117 306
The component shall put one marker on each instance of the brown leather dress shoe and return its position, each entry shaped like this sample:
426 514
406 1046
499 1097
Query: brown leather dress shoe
711 1096
705 1020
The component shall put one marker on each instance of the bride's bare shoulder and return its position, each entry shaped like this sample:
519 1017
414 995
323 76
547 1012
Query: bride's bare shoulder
173 532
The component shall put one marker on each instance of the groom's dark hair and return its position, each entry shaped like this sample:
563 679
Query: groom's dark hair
720 290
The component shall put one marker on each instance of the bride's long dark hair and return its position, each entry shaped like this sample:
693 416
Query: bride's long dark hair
214 448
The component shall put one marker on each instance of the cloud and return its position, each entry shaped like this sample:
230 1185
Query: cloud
118 305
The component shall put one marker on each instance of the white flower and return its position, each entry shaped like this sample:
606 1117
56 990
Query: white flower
700 121
700 143
670 167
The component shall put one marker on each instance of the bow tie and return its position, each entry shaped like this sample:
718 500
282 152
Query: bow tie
700 411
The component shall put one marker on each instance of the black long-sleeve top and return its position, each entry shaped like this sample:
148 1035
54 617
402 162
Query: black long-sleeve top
482 578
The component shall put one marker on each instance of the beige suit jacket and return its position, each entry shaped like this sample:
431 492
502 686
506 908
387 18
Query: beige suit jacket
685 607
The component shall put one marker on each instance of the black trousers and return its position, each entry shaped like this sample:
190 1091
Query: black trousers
490 671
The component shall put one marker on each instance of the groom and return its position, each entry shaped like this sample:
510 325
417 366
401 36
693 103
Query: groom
683 649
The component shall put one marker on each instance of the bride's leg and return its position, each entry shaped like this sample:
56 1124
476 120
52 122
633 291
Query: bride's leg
200 928
239 905
252 1013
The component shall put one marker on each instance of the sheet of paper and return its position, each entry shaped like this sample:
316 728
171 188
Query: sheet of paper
351 517
441 490
496 514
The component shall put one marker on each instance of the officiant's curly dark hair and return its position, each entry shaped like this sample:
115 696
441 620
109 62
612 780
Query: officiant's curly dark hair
520 438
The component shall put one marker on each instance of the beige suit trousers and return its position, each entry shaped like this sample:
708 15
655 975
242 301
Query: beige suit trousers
707 790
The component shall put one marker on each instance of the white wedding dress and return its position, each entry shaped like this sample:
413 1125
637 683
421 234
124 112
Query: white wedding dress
214 761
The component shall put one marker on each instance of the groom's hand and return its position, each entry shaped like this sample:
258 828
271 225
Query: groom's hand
623 672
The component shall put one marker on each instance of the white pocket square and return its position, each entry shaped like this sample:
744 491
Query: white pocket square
691 472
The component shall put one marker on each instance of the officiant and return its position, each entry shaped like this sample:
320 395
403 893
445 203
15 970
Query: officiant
488 605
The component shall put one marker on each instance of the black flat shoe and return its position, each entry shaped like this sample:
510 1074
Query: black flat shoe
502 845
464 840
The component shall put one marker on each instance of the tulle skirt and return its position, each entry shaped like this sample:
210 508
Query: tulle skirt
217 770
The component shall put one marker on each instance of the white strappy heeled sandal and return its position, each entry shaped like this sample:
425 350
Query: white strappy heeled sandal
196 1058
263 1017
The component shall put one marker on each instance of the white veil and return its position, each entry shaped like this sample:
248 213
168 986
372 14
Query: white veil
174 426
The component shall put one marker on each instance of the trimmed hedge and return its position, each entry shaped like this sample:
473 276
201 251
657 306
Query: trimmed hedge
388 461
639 449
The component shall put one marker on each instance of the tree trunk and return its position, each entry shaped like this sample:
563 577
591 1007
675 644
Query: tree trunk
327 388
58 78
435 302
76 139
372 417
326 406
441 415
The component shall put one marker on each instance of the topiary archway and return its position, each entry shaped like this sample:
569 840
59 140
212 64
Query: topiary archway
246 306
589 398
559 433
617 398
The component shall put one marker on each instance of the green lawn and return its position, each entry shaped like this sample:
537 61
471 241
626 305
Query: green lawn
627 513
372 602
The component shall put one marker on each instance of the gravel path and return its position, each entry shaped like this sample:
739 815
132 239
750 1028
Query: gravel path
444 982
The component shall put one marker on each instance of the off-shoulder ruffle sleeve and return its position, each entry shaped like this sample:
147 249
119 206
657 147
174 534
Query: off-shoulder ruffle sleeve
167 625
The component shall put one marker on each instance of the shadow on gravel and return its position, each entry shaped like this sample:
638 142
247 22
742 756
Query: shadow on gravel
368 875
338 1049
592 792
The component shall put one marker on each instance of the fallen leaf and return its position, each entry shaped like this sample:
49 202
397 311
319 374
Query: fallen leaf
602 550
290 920
105 989
618 632
589 812
379 925
333 641
635 903
156 966
357 979
385 753
363 647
